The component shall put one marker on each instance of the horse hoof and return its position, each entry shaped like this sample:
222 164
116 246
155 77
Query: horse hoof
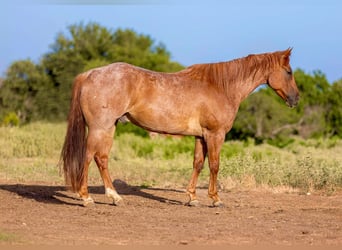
218 204
110 193
87 202
118 201
193 203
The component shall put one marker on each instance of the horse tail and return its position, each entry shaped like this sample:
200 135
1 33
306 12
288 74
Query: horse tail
74 148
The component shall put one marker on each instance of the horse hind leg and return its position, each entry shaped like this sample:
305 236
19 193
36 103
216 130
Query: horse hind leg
83 191
102 163
103 140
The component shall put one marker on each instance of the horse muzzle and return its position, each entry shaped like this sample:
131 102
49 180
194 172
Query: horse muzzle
292 100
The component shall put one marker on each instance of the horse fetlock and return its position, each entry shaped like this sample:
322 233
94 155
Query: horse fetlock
216 200
193 202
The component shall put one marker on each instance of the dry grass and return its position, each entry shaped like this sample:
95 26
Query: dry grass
31 153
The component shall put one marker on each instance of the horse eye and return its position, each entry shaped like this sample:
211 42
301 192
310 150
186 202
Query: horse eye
289 71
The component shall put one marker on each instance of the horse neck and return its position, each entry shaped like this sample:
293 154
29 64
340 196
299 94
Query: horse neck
242 88
244 75
236 78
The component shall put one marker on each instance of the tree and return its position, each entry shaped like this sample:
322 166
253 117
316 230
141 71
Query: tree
141 51
19 93
264 115
334 109
313 104
312 88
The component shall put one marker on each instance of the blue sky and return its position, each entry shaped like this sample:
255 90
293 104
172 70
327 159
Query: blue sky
193 31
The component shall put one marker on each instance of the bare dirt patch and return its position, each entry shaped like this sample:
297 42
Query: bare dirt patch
42 214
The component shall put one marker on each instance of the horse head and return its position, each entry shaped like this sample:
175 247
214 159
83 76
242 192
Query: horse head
282 81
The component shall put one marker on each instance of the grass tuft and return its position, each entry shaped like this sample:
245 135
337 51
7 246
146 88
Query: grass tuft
8 237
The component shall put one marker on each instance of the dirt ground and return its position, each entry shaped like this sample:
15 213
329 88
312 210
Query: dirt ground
41 214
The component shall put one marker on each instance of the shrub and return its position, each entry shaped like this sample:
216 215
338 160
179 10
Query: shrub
11 119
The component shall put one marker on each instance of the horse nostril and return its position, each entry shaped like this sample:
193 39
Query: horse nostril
293 100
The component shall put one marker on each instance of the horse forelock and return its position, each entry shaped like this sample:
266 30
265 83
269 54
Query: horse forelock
224 74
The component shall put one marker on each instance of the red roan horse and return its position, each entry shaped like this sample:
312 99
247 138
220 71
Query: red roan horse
201 100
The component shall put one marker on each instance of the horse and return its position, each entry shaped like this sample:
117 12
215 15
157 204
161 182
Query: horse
201 100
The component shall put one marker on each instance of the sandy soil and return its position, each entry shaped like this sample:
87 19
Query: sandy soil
43 214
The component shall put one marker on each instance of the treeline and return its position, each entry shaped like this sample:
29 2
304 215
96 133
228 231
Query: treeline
41 91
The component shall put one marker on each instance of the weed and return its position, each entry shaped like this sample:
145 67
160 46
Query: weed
8 237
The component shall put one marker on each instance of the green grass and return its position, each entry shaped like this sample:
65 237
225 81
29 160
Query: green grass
8 237
31 153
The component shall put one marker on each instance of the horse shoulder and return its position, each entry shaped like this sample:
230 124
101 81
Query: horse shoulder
218 112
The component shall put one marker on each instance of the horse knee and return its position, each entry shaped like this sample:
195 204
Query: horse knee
214 166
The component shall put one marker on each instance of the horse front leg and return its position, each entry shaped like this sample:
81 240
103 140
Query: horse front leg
214 144
199 157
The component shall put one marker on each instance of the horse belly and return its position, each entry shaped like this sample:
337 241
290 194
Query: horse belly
167 123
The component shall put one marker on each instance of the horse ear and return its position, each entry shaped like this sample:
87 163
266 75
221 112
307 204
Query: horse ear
285 58
288 51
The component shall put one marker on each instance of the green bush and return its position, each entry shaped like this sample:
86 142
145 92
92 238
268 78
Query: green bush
130 128
11 119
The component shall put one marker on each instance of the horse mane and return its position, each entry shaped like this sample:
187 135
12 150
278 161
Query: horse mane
223 74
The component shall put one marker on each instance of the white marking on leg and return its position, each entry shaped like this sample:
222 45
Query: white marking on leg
114 195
